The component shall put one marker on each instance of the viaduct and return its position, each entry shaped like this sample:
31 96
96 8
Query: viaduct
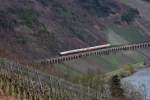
100 52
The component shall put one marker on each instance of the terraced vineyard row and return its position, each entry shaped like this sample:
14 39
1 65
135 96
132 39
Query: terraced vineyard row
22 82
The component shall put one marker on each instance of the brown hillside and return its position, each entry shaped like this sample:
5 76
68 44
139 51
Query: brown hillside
35 29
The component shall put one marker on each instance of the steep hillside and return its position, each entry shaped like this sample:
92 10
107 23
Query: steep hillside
130 30
33 29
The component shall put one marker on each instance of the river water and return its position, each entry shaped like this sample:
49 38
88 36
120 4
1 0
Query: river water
139 82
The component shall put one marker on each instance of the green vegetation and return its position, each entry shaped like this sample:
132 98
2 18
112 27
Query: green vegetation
115 87
99 80
147 0
29 17
45 2
7 25
36 18
124 70
125 1
130 33
21 40
67 71
83 35
43 29
130 15
2 61
95 81
129 69
62 11
99 7
6 22
110 62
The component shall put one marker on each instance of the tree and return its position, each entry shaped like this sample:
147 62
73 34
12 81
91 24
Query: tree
115 88
129 15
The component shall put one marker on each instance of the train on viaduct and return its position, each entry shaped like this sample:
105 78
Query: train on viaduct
101 51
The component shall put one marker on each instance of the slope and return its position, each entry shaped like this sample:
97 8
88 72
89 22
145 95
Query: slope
36 29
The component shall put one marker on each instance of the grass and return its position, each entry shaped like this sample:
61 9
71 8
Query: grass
130 33
67 70
125 1
110 62
124 71
105 64
113 38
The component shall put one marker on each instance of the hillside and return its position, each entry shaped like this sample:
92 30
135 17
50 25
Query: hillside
34 31
117 33
39 29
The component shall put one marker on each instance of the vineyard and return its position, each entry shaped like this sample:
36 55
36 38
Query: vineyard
25 83
74 49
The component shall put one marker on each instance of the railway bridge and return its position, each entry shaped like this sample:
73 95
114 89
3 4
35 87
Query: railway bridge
99 52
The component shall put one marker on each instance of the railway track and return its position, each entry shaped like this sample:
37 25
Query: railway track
100 52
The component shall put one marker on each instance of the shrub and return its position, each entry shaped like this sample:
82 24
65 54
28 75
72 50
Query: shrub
6 22
99 7
43 29
29 17
21 40
60 10
115 88
129 15
129 69
2 61
45 2
147 0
